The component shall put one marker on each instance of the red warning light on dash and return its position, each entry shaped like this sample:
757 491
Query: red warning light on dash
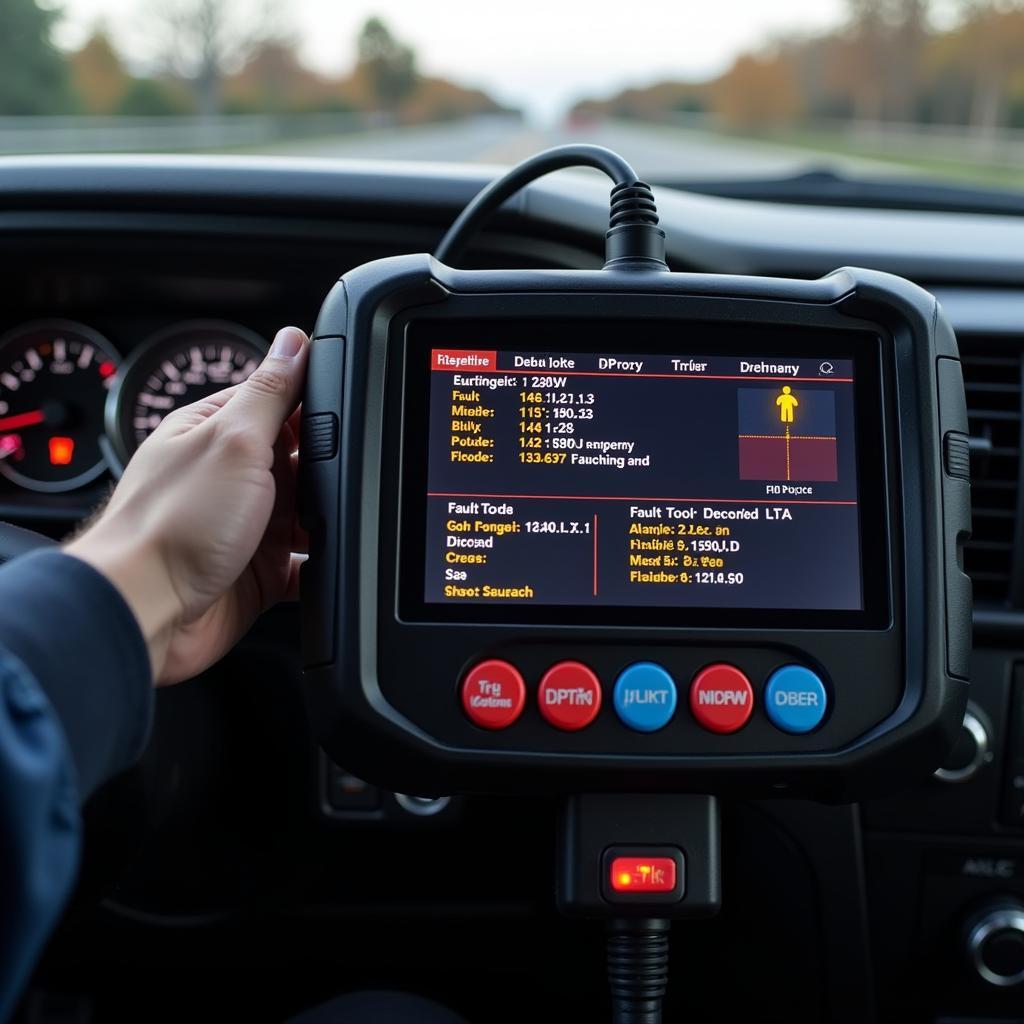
463 359
642 874
62 450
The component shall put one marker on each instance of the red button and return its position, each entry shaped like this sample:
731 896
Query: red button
569 696
642 874
721 698
493 694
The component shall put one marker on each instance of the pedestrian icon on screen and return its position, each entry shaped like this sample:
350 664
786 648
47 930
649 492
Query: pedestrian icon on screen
786 402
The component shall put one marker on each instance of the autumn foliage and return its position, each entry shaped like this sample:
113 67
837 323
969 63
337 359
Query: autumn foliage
758 92
890 61
214 67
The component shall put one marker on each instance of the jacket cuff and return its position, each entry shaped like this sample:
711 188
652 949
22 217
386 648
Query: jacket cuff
72 629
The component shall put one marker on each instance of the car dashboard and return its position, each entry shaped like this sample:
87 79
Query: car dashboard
237 860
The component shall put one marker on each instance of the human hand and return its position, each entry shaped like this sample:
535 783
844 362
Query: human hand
199 535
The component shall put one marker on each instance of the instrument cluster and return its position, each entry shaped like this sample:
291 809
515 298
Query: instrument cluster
72 409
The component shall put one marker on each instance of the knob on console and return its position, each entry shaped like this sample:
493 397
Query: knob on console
971 751
995 944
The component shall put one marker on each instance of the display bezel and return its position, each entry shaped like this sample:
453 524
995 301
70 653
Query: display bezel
416 337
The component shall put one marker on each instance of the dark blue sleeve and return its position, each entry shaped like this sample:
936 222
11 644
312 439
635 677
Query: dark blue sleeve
75 709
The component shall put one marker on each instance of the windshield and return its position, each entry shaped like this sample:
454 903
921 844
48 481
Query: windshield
900 91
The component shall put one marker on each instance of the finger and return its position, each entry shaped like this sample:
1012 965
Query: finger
289 437
300 536
282 517
294 574
188 416
294 424
263 403
218 399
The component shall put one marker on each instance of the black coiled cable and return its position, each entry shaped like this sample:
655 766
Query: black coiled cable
633 241
637 969
632 204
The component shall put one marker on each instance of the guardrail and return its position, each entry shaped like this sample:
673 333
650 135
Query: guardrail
966 144
87 134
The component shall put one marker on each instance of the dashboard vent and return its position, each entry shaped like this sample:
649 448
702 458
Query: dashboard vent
992 379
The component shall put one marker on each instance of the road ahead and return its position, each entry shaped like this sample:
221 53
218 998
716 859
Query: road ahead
661 153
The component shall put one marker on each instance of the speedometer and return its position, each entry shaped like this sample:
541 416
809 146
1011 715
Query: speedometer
54 380
175 367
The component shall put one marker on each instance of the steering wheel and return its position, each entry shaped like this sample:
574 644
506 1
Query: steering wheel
15 540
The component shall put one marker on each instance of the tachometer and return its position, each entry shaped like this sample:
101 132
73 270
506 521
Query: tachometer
54 379
175 367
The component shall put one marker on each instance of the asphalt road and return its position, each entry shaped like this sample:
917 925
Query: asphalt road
661 153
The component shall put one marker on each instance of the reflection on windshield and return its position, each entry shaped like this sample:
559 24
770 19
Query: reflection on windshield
891 89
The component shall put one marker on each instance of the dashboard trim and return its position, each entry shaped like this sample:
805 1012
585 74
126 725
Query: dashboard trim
719 235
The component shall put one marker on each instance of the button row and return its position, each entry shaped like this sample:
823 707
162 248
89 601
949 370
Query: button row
644 697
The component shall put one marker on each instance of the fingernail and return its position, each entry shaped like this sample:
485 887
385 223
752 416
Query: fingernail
287 343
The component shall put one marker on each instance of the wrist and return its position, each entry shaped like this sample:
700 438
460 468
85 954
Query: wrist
139 572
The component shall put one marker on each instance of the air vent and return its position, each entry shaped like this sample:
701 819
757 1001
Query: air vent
992 378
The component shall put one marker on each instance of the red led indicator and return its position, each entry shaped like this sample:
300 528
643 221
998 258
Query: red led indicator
61 450
107 369
642 874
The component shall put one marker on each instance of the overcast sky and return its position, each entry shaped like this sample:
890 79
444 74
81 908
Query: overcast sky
540 54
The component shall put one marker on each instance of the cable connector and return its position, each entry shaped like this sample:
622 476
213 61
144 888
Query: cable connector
608 840
634 241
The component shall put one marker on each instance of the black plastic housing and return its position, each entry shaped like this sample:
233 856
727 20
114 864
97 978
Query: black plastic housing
592 829
382 692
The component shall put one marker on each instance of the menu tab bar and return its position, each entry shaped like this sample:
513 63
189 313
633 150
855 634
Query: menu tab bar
627 365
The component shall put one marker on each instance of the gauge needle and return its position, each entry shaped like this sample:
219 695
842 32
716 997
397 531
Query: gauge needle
24 419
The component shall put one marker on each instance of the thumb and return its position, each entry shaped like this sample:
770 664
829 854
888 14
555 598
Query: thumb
264 402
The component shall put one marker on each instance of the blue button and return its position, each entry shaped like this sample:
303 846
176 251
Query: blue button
795 699
645 697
